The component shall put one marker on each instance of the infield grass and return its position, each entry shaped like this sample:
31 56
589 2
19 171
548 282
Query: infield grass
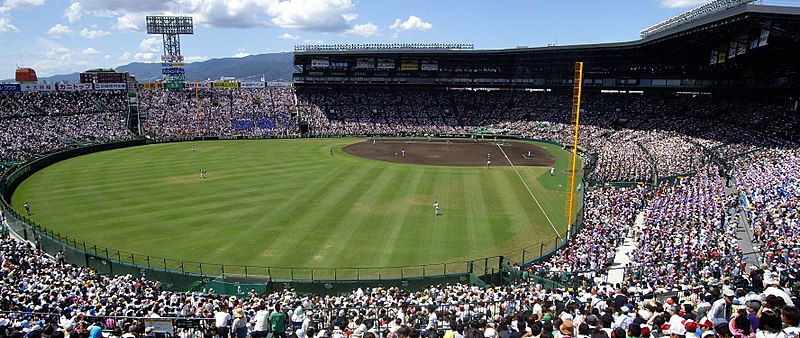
289 203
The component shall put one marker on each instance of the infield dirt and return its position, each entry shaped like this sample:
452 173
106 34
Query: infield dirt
466 153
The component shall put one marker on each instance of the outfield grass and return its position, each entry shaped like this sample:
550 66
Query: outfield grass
290 203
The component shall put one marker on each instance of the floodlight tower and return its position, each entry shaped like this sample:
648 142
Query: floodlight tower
171 28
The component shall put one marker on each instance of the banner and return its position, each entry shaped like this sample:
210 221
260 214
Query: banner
35 87
714 55
252 85
733 49
225 85
319 63
277 84
762 40
167 65
74 86
198 85
109 86
10 87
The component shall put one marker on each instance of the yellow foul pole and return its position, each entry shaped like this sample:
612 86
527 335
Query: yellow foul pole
576 118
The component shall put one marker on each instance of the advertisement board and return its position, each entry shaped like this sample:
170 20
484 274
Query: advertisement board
225 85
173 71
109 86
198 85
152 85
172 58
74 86
319 63
430 66
409 65
10 87
365 64
252 85
37 87
385 64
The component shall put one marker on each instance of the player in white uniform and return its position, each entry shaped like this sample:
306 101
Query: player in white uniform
436 208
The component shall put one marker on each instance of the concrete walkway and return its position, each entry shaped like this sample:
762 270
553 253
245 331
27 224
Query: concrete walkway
616 273
743 232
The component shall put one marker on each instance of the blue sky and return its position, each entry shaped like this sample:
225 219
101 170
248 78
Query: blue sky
65 36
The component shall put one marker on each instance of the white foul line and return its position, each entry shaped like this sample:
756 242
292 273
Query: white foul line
530 192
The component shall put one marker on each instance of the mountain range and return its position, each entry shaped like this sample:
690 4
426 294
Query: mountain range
272 67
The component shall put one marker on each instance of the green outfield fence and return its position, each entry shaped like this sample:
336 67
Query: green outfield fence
177 274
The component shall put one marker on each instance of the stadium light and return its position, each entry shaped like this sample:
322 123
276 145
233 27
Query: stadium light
694 14
392 46
171 28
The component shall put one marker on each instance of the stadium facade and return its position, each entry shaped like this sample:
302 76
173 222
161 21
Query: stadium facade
747 46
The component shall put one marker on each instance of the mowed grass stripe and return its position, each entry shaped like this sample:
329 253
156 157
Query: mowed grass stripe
282 203
479 209
325 209
391 247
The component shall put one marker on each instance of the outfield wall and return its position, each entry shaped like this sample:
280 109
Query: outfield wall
184 275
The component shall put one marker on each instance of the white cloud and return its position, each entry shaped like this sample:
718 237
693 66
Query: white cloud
145 57
682 3
413 23
151 45
131 21
93 34
90 51
107 57
312 42
6 26
290 37
125 56
312 15
23 3
190 59
74 12
350 16
59 30
242 53
365 30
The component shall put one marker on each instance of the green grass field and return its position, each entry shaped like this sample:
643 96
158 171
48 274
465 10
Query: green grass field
288 203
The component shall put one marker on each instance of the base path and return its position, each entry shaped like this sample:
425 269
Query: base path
465 153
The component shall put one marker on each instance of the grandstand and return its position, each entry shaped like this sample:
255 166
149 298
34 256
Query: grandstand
690 140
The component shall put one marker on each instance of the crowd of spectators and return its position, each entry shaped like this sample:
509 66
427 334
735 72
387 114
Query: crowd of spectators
769 182
42 295
218 112
686 275
38 122
689 233
609 215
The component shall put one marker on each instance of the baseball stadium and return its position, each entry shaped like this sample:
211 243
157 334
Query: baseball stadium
419 189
